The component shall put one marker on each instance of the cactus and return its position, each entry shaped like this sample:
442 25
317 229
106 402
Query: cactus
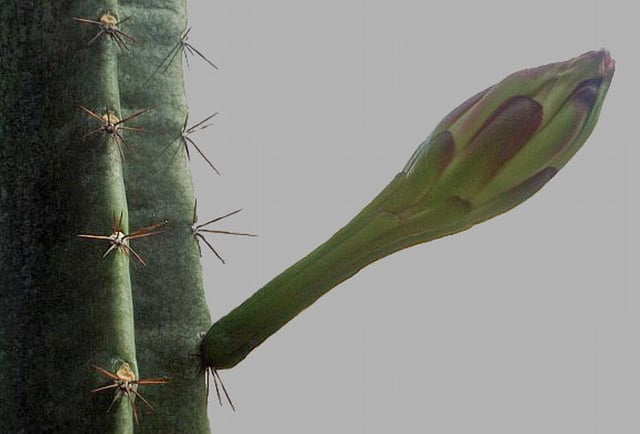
103 309
86 120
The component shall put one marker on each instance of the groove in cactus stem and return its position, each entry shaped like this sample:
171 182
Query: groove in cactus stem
125 384
108 27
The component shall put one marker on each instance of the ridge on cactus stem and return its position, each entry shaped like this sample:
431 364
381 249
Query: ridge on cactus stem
487 156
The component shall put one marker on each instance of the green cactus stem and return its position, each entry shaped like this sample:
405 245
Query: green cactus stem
68 171
488 155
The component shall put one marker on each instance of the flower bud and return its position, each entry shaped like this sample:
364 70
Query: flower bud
498 148
488 155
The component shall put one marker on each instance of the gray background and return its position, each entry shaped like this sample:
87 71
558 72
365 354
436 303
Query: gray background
528 323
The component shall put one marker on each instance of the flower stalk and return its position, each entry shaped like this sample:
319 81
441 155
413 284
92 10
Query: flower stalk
485 157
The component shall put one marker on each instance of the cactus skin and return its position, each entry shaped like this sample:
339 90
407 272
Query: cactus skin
63 307
487 156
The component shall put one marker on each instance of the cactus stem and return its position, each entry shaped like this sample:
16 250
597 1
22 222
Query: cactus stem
112 126
197 231
108 27
120 241
125 383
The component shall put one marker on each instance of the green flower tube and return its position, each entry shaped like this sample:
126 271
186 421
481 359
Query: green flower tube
485 157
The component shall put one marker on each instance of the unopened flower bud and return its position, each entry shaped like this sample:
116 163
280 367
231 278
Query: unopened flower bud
498 148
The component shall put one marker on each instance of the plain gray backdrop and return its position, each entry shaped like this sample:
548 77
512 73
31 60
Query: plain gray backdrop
529 323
